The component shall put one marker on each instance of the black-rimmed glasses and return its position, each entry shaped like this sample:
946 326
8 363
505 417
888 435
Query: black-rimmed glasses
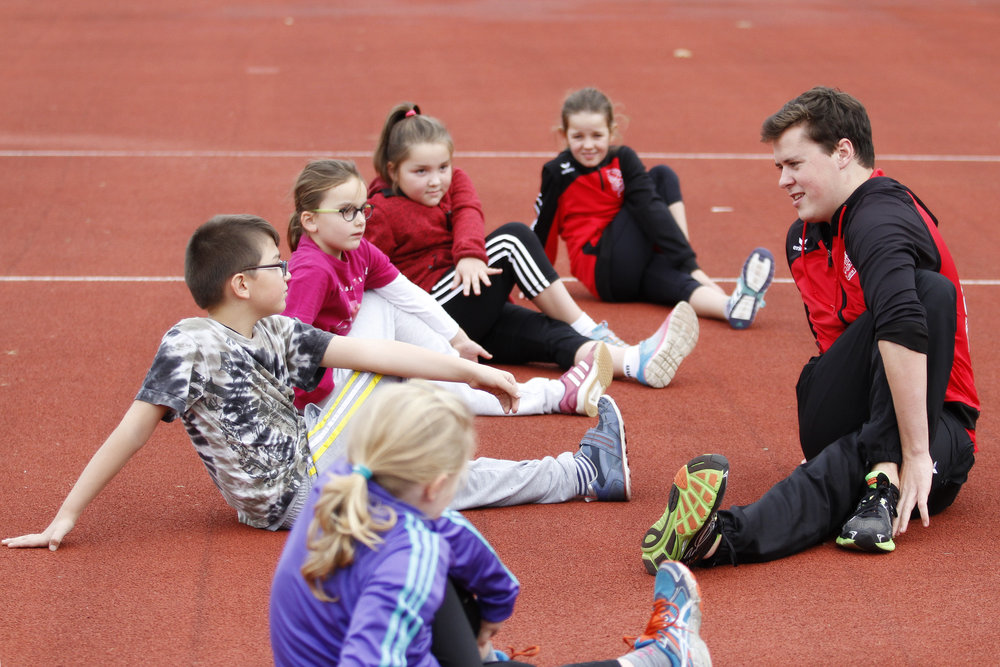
349 212
283 265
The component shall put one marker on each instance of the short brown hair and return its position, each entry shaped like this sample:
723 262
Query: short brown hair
220 248
828 116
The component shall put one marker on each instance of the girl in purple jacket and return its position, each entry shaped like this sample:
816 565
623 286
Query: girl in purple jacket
370 570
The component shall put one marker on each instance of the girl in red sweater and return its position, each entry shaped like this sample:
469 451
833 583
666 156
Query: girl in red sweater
429 221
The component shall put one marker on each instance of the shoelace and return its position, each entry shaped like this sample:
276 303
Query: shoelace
870 504
529 652
658 622
604 333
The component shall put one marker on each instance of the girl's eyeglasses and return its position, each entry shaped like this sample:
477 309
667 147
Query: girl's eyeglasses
349 212
283 265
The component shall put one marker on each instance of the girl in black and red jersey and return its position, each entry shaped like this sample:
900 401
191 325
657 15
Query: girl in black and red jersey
625 228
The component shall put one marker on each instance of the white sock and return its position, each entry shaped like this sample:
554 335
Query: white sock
584 324
631 361
647 656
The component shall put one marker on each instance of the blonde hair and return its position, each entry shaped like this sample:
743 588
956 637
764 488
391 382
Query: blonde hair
314 180
404 128
407 434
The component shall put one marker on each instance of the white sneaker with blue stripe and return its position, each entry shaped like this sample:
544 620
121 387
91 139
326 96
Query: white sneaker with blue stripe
748 297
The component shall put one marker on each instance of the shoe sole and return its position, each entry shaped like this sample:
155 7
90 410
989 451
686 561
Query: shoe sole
596 383
678 341
755 282
695 497
866 545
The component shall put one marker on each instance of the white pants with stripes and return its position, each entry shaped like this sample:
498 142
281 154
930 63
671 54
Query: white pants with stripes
489 483
379 319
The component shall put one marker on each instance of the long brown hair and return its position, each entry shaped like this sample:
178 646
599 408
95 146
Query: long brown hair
311 186
404 128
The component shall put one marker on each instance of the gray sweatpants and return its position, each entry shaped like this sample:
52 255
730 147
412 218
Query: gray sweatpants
489 483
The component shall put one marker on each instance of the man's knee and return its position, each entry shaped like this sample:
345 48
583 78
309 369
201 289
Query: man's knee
935 291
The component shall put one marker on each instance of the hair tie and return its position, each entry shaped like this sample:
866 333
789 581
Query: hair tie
411 112
361 470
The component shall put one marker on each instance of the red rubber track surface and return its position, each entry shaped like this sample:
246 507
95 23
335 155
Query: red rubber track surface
124 126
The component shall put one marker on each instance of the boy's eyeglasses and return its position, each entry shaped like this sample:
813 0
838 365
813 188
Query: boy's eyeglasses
283 265
349 212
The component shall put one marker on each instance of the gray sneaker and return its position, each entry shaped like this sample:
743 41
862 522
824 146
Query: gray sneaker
604 446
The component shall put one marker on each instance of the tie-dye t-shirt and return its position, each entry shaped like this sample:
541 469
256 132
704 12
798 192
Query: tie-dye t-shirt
234 396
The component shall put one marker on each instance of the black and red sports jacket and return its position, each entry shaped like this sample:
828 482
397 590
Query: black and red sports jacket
577 203
865 259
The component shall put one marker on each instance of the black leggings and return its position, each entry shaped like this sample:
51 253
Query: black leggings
631 267
512 334
454 640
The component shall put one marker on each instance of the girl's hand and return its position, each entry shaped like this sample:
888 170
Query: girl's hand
468 348
485 638
499 383
470 272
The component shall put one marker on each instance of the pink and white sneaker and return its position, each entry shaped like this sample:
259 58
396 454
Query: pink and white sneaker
586 382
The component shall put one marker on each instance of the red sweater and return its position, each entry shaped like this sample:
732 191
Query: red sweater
425 242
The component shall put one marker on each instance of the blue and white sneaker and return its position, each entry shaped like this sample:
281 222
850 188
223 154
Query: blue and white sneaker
661 354
602 455
748 297
603 333
672 636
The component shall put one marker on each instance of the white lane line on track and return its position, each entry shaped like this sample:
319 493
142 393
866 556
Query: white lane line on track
500 155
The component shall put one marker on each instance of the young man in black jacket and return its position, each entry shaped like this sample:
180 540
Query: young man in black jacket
888 408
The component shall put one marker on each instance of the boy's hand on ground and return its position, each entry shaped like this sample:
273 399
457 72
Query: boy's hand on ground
915 477
52 536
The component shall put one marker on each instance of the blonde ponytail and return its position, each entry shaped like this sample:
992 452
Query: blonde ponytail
430 432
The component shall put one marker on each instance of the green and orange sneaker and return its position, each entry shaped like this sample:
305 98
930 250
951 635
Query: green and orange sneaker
683 532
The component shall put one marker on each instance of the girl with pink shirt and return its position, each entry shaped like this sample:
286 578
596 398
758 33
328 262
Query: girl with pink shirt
343 284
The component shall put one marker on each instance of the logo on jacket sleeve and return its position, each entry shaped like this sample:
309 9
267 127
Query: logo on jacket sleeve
849 270
617 182
566 167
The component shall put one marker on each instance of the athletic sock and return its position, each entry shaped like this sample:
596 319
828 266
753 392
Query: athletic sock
631 364
584 324
647 656
586 472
